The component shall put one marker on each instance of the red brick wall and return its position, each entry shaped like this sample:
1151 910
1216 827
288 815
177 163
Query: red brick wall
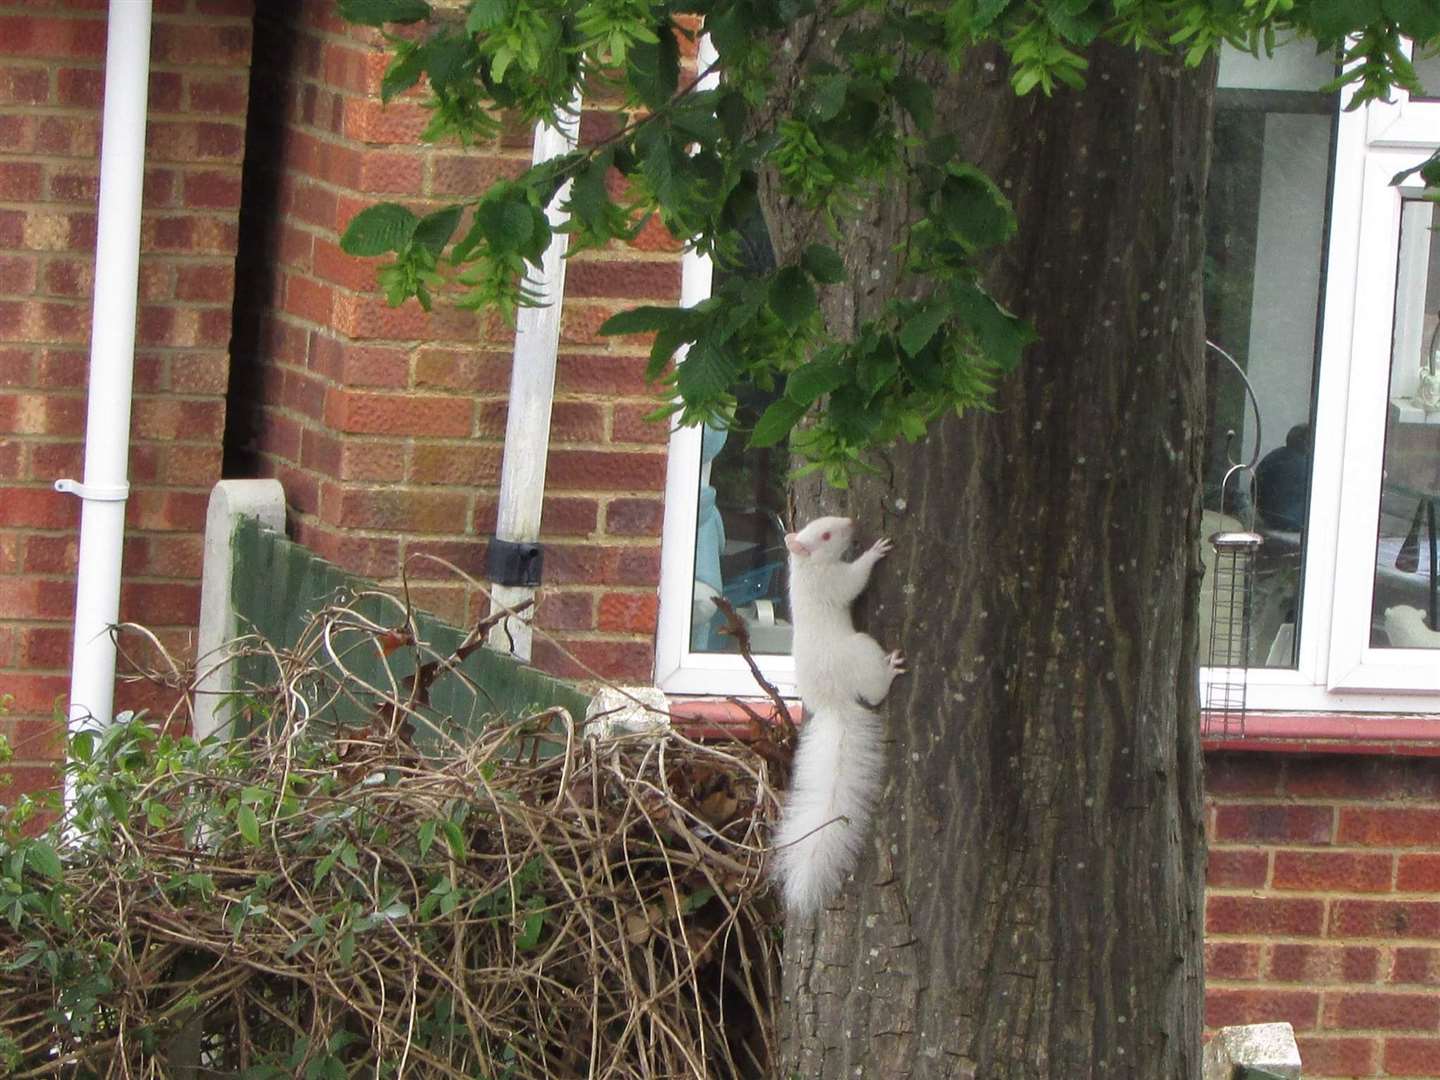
385 425
1324 906
51 79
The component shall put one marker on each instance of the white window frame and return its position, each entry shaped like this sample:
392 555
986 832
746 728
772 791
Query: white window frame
1336 668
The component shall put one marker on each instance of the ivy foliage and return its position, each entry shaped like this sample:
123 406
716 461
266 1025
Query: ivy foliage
858 122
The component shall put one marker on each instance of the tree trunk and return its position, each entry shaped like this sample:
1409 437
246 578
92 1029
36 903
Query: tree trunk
1030 903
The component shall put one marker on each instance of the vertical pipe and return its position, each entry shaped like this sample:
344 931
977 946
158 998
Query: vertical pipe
532 391
112 356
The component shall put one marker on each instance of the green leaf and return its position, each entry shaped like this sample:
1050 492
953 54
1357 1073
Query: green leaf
808 384
378 229
653 70
644 320
920 327
696 900
506 223
44 859
347 949
974 209
530 931
433 231
403 73
248 825
792 296
454 839
1418 20
1330 19
916 98
324 866
824 264
425 837
380 12
777 422
1001 335
487 15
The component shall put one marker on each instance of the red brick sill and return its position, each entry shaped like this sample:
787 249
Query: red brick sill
1295 733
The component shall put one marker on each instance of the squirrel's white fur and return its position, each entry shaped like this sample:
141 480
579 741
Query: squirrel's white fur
840 674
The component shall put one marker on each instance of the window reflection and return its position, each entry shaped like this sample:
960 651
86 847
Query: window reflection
1266 224
1405 596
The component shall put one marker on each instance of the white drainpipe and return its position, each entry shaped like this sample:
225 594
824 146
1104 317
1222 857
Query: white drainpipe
527 425
112 357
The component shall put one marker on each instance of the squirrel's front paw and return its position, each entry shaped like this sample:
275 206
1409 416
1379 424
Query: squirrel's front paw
896 662
882 547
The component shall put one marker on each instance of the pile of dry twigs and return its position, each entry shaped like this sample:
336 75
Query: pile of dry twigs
324 903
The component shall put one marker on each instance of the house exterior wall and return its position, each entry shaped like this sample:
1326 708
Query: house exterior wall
386 428
386 424
52 56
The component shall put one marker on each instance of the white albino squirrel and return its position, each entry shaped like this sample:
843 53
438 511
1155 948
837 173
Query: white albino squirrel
840 674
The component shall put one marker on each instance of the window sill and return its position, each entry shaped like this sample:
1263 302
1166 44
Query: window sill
1398 735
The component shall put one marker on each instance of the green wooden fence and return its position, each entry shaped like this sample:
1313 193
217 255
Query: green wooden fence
278 586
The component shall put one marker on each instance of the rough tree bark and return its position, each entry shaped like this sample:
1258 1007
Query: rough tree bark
1030 904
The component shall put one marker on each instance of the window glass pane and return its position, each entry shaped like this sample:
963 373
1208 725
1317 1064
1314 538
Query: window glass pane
739 535
1428 69
1404 600
1264 282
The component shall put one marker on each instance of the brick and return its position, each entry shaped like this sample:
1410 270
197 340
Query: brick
19 274
212 189
570 421
631 426
396 509
470 464
359 365
600 470
622 661
1225 1006
1323 963
368 120
307 299
200 44
161 603
52 38
50 554
370 318
463 369
334 265
1389 826
218 94
20 181
1324 1056
1418 873
590 373
1232 960
631 279
638 566
628 613
33 738
566 610
1348 777
1333 871
1385 918
1414 965
76 184
1411 1057
397 414
645 517
1274 822
1382 1011
371 461
373 557
24 85
37 508
37 599
1251 915
471 174
214 282
35 693
17 780
1235 867
561 516
429 558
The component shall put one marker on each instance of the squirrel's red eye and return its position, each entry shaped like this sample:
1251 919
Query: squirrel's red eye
824 536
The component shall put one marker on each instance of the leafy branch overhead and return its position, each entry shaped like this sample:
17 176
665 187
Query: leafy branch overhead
857 125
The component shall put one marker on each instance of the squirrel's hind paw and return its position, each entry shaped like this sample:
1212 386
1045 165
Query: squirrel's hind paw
896 662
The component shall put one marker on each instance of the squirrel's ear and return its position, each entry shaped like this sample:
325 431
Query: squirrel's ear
792 541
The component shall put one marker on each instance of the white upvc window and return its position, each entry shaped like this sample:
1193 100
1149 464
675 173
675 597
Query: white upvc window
1323 279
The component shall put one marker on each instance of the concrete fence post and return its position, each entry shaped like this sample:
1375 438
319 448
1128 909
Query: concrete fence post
230 500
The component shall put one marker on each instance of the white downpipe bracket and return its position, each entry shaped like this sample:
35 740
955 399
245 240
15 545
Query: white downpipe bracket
532 391
112 360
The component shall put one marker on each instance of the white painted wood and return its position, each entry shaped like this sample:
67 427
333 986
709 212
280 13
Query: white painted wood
532 391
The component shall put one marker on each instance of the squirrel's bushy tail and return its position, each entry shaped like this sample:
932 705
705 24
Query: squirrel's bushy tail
833 788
